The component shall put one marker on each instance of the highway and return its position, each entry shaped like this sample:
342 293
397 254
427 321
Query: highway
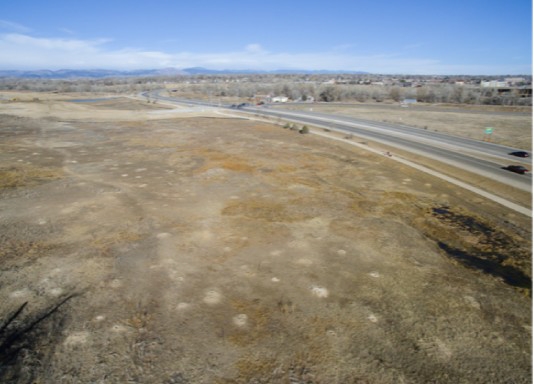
481 158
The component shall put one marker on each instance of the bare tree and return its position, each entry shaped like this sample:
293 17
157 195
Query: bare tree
395 94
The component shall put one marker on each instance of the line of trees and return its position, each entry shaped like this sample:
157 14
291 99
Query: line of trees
122 85
294 87
439 93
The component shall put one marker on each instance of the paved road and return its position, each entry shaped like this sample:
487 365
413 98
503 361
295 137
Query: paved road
468 146
482 158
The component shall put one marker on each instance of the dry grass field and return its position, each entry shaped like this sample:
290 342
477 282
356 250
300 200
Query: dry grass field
140 243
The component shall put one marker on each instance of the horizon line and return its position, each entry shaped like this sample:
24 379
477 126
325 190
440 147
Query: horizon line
251 71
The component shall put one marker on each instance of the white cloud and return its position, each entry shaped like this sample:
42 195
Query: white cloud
52 44
12 26
22 51
67 31
254 48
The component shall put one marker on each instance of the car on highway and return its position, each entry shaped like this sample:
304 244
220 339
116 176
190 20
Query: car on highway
517 169
239 106
519 154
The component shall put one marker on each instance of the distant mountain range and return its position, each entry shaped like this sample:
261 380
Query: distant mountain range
102 73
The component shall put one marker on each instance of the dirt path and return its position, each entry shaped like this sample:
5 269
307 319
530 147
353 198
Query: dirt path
212 250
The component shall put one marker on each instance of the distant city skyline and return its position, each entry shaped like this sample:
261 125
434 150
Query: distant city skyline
469 37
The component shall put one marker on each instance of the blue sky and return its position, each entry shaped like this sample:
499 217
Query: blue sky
474 37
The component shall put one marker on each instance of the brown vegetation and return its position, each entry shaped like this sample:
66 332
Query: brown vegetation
196 250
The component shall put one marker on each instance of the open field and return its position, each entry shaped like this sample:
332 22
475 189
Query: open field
140 243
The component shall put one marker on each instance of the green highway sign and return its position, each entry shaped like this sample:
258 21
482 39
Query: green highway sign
489 130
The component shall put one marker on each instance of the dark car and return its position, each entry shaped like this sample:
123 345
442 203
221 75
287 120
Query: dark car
519 154
517 169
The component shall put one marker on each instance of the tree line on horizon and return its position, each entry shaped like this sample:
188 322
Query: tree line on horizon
295 88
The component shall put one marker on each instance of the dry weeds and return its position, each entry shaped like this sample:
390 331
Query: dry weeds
27 176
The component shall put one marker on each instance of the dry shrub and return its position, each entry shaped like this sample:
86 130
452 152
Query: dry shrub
269 211
236 165
105 243
217 159
257 209
25 176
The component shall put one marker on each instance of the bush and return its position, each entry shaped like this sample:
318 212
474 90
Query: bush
304 129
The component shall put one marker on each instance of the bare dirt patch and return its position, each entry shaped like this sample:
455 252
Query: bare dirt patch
201 250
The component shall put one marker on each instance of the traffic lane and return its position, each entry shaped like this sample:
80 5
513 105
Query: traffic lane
432 138
470 146
457 159
413 107
475 165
